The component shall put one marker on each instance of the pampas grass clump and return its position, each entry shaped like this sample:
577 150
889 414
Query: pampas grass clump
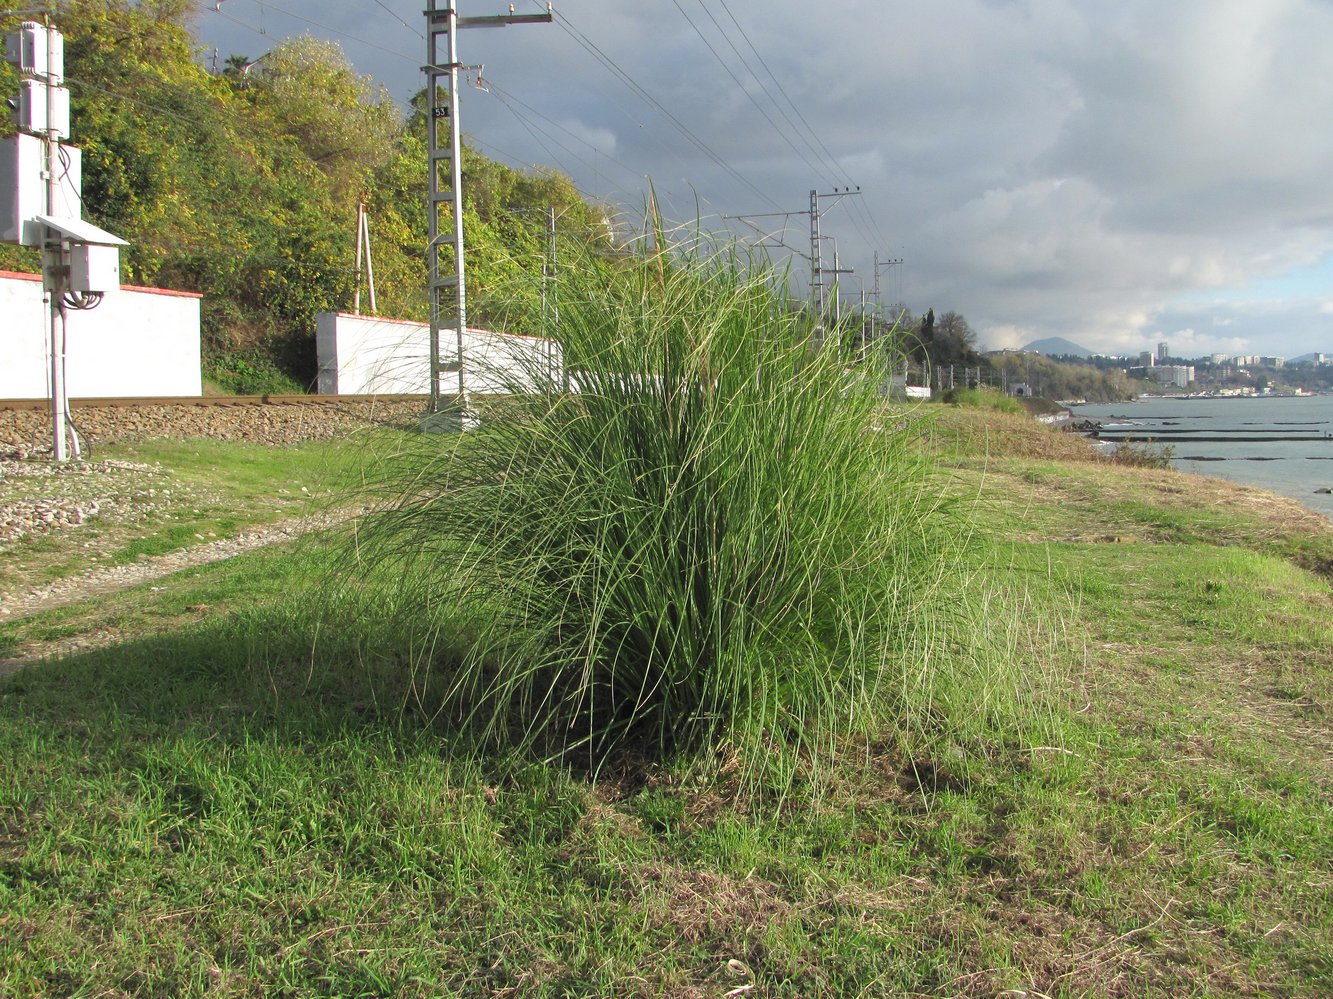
702 531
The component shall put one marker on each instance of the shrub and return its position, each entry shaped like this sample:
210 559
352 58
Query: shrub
983 398
250 373
1143 454
716 538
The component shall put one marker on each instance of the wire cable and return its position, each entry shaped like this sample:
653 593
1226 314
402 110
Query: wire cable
212 9
777 83
400 20
532 129
591 48
741 87
505 96
856 219
404 108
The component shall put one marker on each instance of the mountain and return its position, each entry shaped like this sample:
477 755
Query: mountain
1057 345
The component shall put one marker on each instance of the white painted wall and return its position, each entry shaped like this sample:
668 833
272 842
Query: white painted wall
139 342
367 355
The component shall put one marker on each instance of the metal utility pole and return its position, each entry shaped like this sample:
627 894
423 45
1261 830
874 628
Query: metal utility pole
441 191
874 316
817 271
814 212
80 262
53 263
550 301
835 270
816 268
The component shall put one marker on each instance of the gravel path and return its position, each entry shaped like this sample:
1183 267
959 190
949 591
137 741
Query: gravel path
40 499
107 579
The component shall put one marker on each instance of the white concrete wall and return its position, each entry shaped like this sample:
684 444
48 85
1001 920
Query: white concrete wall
367 355
138 342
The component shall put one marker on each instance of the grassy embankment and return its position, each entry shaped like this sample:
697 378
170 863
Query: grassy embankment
228 803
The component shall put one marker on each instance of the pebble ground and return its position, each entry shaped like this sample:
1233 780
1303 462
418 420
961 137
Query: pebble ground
38 497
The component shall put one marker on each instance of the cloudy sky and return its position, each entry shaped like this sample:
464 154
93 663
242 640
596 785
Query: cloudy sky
1114 173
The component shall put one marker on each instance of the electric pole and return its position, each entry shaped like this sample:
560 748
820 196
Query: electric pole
80 262
817 269
441 191
835 270
874 316
550 301
52 255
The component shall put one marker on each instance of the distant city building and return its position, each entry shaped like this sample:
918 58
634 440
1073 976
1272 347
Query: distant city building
1256 361
1163 352
1174 375
1220 358
1146 359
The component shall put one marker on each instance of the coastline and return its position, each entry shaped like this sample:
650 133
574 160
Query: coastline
1281 444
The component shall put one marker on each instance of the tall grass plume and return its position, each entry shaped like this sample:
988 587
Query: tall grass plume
701 529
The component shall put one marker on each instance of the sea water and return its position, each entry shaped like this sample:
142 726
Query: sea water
1291 467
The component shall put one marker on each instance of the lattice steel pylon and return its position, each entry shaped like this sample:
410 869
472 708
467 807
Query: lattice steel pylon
448 285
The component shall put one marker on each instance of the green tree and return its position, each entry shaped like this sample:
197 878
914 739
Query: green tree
306 91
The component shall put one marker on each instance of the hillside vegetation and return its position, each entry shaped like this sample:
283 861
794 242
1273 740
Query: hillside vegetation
243 186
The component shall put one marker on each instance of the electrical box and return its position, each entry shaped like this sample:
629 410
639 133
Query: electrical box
93 267
31 114
26 48
23 188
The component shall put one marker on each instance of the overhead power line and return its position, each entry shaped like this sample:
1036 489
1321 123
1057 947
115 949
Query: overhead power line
395 16
809 130
741 86
215 10
591 48
507 99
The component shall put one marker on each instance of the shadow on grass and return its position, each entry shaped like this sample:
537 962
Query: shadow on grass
269 669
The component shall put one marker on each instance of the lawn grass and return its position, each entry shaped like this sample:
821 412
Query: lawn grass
246 798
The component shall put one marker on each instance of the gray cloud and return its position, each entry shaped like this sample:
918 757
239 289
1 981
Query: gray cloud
1103 172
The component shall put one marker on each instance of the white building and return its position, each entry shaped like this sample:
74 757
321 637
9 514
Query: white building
1174 375
370 355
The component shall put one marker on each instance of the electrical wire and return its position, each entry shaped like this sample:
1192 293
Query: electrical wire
67 164
741 87
860 217
84 84
400 20
507 98
83 301
530 128
404 108
211 9
777 83
591 48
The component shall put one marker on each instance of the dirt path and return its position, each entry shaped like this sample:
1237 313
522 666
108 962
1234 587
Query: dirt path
109 579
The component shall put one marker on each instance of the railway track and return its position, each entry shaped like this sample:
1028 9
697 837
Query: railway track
206 401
